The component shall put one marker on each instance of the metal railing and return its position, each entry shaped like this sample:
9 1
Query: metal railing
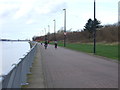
18 75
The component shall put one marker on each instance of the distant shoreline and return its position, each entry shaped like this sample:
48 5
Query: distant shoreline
14 40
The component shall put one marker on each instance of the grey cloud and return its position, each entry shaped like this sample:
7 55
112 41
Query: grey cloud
7 13
59 7
119 11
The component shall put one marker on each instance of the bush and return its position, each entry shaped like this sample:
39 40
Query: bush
108 34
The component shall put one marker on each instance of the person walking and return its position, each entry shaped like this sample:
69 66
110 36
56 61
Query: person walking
55 44
45 44
41 43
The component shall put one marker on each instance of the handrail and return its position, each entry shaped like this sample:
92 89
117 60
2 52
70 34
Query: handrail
18 75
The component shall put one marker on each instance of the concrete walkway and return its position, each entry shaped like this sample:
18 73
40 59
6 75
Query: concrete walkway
63 68
36 79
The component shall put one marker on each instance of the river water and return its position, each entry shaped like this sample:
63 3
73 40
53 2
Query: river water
10 53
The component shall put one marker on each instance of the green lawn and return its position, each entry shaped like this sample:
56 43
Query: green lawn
106 50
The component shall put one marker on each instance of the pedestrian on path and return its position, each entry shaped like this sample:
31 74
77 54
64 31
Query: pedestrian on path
55 44
41 43
45 44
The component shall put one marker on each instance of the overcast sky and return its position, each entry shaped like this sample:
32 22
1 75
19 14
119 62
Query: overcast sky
23 19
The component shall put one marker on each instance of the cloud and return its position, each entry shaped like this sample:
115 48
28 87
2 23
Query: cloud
20 8
30 21
28 15
7 9
51 7
119 11
23 10
59 7
42 10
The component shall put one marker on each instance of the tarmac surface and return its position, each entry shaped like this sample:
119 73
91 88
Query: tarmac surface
64 68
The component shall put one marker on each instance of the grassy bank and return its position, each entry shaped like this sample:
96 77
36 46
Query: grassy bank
106 50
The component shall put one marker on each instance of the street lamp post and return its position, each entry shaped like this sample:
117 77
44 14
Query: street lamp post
54 30
45 35
48 32
94 27
64 27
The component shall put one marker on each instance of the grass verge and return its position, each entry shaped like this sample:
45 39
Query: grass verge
105 50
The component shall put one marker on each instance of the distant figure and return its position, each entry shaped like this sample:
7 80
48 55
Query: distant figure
41 43
55 44
45 44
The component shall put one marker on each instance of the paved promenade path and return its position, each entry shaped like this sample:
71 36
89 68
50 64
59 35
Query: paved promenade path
64 68
36 79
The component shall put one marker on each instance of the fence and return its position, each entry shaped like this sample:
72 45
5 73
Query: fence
18 75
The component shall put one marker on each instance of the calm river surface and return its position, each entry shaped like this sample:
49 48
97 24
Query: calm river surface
10 52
